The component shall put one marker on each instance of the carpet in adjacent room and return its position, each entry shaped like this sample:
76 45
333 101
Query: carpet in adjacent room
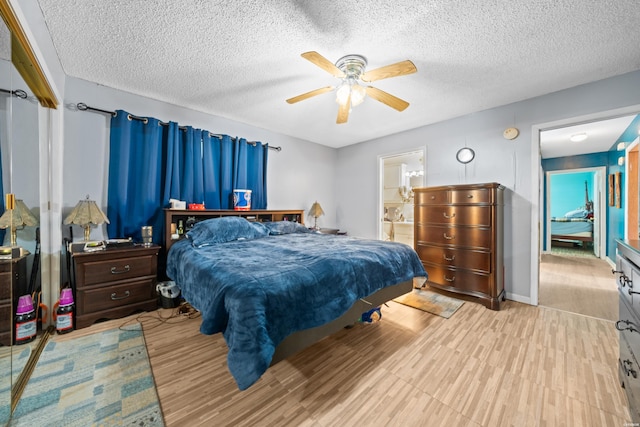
100 379
431 302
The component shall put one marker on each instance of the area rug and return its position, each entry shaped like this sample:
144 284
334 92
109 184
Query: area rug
12 361
431 302
100 379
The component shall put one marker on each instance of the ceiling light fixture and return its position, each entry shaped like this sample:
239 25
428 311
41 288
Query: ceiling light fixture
578 137
352 66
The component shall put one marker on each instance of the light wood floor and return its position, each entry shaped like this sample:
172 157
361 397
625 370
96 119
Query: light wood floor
583 285
521 366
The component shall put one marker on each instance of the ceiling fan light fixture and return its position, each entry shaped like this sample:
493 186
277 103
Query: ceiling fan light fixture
578 137
358 93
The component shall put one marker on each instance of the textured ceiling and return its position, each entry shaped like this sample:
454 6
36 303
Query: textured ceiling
601 135
240 59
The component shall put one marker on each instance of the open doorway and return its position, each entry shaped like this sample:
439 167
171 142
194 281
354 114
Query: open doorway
565 283
400 174
575 214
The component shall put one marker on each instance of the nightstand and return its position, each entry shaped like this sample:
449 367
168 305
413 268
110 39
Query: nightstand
13 284
114 282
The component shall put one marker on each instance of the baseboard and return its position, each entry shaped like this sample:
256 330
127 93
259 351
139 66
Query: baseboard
518 298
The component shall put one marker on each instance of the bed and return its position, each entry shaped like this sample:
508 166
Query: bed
273 289
572 229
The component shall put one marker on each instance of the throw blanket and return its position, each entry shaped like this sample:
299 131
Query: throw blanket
257 291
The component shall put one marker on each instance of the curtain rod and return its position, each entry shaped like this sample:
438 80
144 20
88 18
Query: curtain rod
17 92
84 107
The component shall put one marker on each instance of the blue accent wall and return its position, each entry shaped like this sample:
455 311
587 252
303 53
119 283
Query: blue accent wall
568 191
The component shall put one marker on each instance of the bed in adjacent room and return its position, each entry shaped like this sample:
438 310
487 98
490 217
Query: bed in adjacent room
572 228
274 288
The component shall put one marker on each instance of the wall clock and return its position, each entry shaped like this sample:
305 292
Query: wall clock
465 155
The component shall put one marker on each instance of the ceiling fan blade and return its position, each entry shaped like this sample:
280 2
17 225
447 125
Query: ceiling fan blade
323 63
310 94
343 111
393 70
387 98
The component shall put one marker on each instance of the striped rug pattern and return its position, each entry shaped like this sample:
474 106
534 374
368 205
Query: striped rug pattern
100 379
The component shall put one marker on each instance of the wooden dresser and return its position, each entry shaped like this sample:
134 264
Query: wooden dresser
628 272
113 283
459 238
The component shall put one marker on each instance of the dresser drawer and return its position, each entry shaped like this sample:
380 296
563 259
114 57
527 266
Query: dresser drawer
104 271
628 366
452 257
455 236
438 197
109 297
476 195
456 215
459 279
628 281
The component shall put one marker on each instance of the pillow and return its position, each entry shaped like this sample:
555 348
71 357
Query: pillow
224 229
578 213
285 227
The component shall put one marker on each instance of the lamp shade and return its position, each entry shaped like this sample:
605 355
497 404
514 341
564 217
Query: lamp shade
17 218
85 214
316 210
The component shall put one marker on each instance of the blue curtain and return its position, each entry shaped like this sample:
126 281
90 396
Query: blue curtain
249 171
135 176
151 162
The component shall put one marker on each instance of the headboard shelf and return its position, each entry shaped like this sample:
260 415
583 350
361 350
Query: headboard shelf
190 217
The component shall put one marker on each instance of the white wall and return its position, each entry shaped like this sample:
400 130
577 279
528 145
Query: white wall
297 176
497 160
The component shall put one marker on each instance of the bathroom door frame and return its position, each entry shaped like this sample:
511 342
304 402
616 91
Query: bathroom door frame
381 159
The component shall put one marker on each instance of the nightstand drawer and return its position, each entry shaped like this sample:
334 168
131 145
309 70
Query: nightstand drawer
98 272
5 317
108 297
5 285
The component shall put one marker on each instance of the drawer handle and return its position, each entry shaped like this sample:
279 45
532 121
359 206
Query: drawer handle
114 270
448 237
452 279
469 196
628 369
449 216
115 297
447 258
630 326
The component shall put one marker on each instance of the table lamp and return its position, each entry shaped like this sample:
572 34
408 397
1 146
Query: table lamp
316 211
85 214
16 217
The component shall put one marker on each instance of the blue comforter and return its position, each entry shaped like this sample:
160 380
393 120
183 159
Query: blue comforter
258 291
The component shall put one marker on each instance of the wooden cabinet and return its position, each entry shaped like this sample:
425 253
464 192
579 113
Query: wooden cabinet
190 217
459 235
113 283
628 280
13 284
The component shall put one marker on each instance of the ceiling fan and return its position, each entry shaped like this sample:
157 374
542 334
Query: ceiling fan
350 69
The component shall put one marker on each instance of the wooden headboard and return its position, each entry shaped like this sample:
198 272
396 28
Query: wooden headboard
172 217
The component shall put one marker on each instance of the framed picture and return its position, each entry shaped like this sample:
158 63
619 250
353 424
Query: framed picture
618 189
612 185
